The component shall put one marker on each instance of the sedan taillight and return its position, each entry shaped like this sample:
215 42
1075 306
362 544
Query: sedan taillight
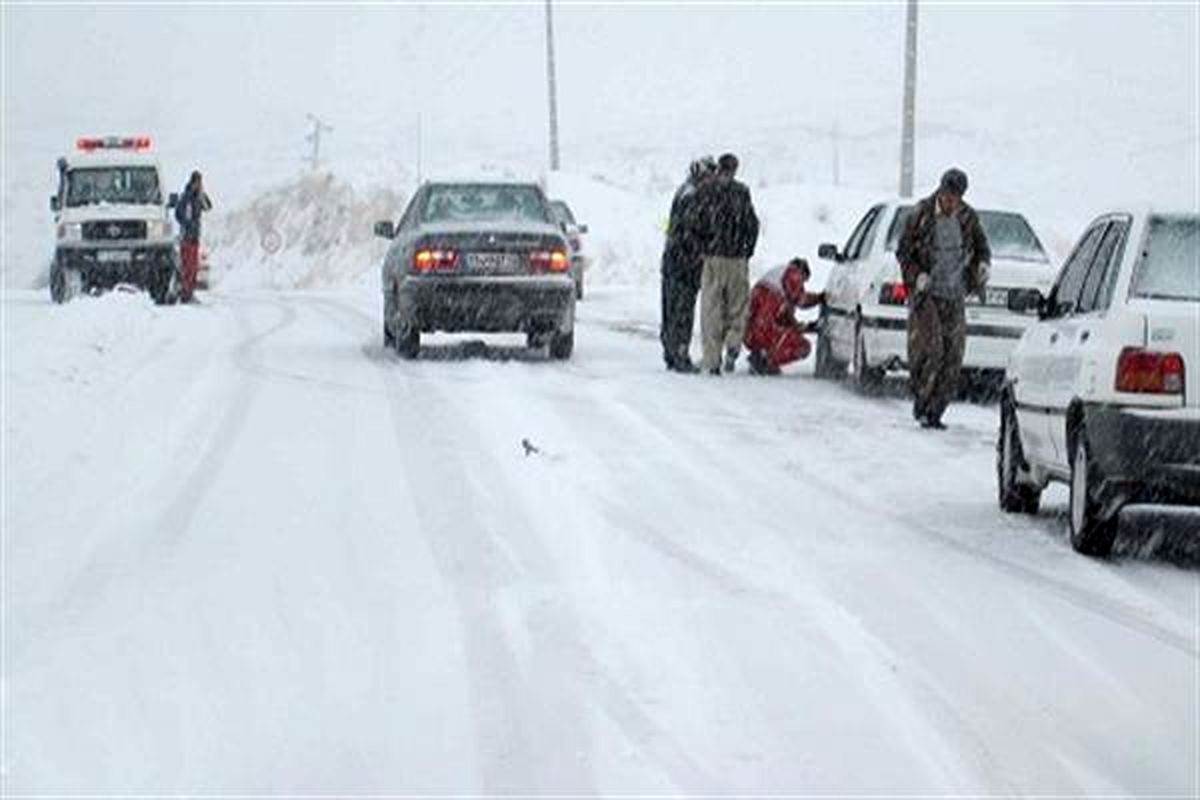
427 260
549 260
893 294
1147 372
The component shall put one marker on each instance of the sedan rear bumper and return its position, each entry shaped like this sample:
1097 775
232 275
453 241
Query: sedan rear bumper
989 343
487 304
1153 455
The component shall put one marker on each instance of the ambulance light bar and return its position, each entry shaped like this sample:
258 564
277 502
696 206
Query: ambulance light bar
90 143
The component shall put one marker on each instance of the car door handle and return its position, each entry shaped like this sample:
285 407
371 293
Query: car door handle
1053 337
1083 337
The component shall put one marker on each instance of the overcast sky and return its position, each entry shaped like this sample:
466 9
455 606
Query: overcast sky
209 81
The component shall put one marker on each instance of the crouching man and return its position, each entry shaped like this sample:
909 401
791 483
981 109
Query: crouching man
774 336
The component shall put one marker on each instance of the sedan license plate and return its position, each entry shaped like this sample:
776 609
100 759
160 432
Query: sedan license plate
492 262
992 297
114 256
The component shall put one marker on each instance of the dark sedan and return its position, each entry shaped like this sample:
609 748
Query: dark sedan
477 256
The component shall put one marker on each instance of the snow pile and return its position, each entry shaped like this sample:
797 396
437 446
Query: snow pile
316 230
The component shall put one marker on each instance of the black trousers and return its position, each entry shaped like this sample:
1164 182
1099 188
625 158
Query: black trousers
680 285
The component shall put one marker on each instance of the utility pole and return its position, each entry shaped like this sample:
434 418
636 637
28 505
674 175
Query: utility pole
550 83
319 127
836 135
418 148
909 114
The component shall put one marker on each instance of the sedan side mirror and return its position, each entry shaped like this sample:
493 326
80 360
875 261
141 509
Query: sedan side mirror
829 252
582 228
1023 301
55 203
172 199
385 229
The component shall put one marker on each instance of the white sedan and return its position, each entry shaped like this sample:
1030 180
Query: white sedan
1103 392
865 319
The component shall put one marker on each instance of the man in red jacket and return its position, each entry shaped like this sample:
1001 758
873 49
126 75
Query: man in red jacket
773 335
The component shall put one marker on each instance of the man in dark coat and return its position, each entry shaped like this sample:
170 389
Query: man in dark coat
193 202
681 267
944 256
728 236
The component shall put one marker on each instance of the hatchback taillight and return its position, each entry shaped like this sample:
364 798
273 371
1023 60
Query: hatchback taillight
893 294
1147 372
428 260
549 260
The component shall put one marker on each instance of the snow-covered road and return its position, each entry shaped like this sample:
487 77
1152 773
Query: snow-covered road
246 549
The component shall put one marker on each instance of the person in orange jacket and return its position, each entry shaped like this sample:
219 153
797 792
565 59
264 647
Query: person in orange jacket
774 336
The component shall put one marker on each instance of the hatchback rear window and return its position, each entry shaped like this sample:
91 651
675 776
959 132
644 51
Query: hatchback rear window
483 203
1008 234
1169 268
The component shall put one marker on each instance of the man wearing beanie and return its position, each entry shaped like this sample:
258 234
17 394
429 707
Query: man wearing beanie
728 235
944 256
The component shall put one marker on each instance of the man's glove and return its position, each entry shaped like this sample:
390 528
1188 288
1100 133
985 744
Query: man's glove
922 284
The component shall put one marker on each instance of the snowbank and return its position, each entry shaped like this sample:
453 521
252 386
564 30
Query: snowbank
316 230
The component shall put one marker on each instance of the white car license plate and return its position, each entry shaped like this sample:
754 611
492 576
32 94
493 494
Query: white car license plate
992 297
491 262
114 256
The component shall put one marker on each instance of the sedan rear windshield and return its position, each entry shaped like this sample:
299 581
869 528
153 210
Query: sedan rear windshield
561 212
1009 235
483 203
1170 265
133 185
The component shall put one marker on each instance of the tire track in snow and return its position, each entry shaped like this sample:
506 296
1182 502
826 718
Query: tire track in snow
907 700
156 539
476 558
1090 602
570 656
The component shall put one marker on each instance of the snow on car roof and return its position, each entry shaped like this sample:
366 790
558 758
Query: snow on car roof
475 180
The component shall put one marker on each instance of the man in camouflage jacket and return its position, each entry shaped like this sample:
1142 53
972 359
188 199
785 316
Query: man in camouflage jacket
944 256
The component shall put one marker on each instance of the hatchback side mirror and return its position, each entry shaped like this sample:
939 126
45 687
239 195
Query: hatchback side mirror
385 229
55 203
1022 301
829 252
172 199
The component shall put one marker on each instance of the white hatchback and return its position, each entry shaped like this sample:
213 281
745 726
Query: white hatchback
865 319
1103 392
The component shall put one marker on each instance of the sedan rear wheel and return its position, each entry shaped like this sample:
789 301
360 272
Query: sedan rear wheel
562 345
1090 534
408 344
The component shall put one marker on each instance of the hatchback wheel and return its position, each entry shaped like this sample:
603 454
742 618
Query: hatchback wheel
1090 534
1014 496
